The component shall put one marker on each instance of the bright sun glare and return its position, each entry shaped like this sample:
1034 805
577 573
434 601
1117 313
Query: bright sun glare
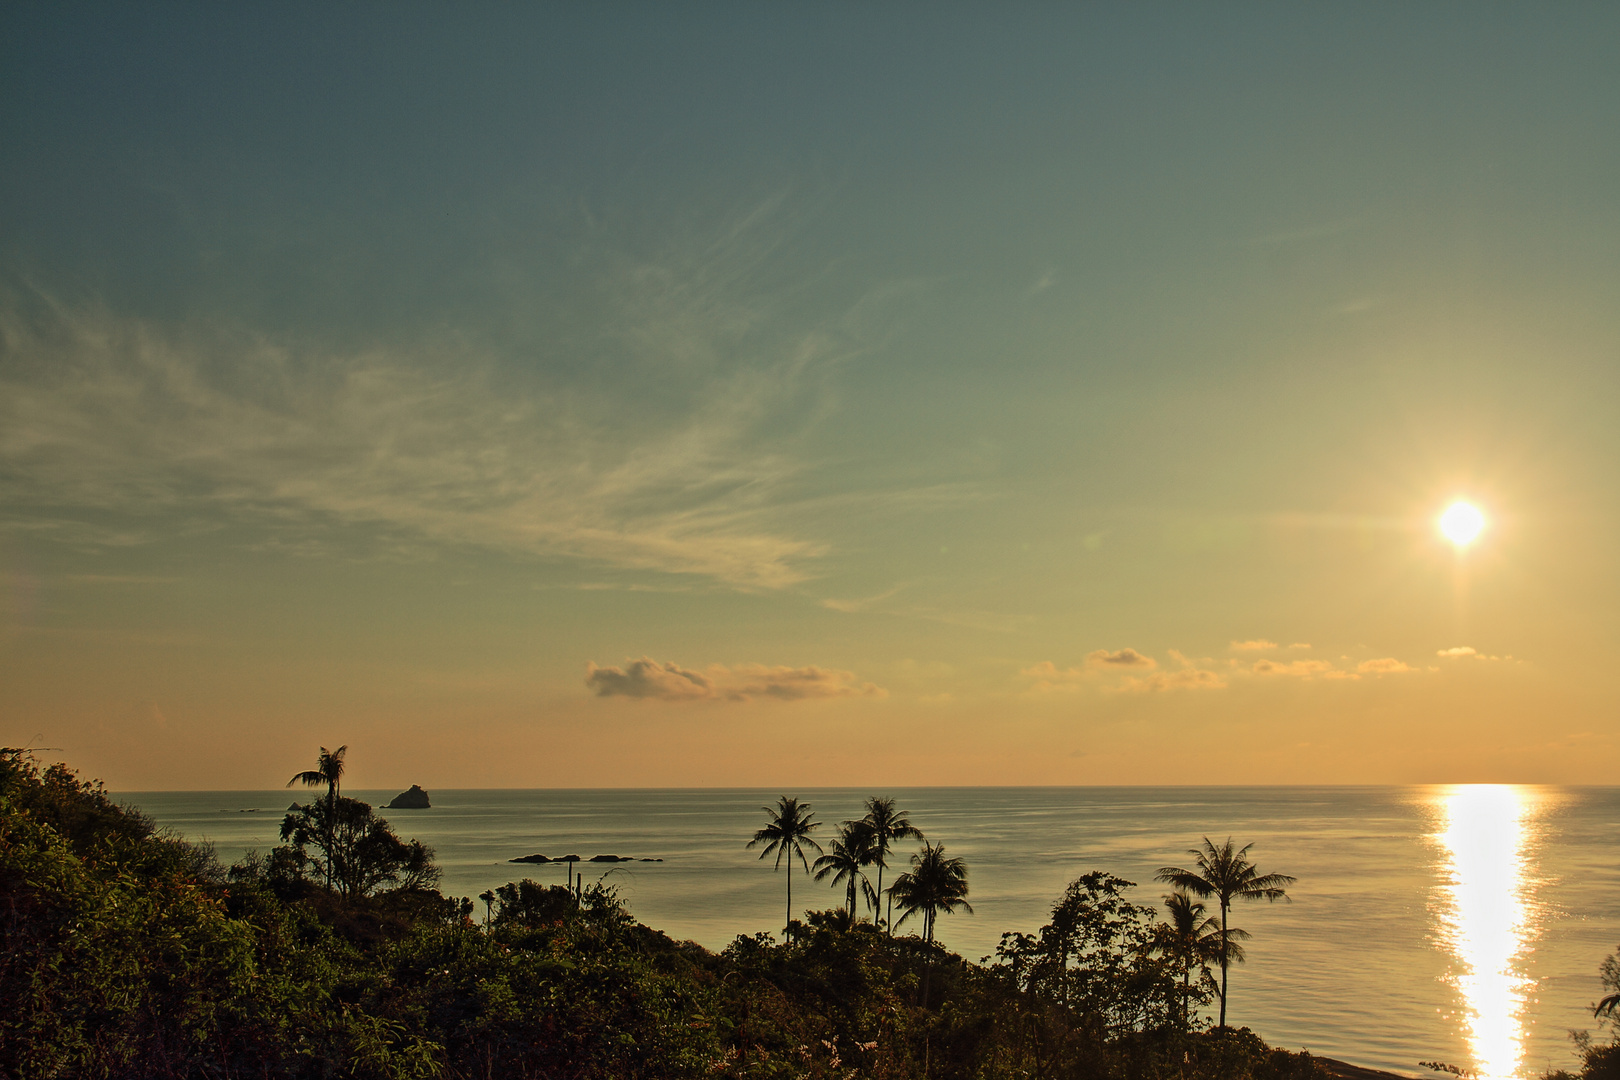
1461 523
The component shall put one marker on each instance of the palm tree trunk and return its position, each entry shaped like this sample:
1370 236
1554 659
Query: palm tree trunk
787 930
1225 945
878 910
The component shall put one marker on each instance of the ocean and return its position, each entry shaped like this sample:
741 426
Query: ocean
1460 924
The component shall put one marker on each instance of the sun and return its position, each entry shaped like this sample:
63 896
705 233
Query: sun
1461 523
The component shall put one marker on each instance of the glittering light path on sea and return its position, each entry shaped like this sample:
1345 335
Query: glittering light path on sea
1486 921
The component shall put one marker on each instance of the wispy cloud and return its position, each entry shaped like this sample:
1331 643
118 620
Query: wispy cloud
107 418
1120 658
668 681
1049 678
1122 671
1189 678
1299 668
1467 652
857 604
1130 671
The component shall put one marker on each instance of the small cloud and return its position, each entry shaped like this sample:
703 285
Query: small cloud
1467 652
1124 658
1185 679
852 606
1049 678
1300 645
1256 645
1299 669
1386 665
647 678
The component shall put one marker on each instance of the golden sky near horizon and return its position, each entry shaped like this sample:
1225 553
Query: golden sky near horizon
774 397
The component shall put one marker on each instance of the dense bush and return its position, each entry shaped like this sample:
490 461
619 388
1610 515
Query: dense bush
127 953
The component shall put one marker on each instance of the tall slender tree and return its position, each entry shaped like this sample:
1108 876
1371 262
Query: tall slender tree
888 824
328 771
1226 873
787 832
934 886
846 862
1193 940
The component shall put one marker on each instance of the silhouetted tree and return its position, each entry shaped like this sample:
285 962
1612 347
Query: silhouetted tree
354 850
786 832
1194 940
328 771
1226 873
935 885
888 824
1609 972
846 863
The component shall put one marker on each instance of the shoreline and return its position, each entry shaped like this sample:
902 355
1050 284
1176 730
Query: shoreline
1344 1070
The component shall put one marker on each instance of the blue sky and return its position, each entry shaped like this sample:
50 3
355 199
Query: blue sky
733 394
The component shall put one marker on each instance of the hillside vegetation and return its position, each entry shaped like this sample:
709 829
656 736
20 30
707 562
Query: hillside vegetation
129 953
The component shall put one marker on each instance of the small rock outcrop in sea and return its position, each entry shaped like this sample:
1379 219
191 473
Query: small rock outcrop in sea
414 799
576 858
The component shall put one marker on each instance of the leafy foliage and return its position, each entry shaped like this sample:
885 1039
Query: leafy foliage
355 851
128 954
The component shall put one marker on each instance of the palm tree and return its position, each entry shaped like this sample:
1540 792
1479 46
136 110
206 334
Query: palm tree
888 824
1193 940
488 897
851 853
328 770
786 832
1226 873
934 885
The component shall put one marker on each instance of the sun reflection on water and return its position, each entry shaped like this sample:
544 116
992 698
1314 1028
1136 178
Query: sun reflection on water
1485 831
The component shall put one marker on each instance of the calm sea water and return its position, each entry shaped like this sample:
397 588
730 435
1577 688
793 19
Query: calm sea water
1463 924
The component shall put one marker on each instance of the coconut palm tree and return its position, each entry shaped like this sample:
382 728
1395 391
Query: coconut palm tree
935 885
888 824
328 770
1225 873
846 863
1194 940
787 832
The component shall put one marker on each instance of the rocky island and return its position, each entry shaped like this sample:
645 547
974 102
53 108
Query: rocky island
414 799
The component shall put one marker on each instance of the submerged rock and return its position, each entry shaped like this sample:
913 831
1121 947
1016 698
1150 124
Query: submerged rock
414 799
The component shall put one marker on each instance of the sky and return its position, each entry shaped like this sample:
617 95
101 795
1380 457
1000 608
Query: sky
810 395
